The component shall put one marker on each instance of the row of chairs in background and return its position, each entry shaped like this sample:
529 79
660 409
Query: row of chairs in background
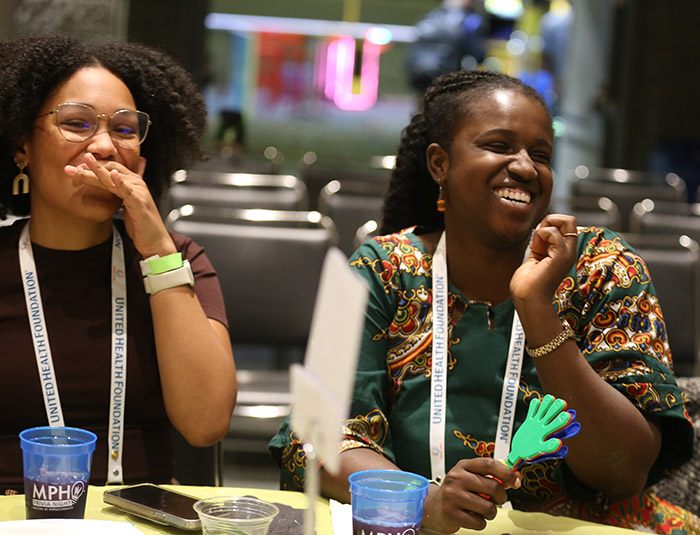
648 216
624 189
349 203
352 196
314 170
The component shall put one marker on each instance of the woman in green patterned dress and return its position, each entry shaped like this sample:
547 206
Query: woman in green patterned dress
442 377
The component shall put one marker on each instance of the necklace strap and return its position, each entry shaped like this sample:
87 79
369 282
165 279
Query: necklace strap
117 390
438 371
42 349
37 326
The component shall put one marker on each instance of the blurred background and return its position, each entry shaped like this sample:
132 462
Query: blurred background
621 78
306 103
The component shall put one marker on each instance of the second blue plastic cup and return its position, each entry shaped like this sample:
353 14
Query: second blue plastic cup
387 501
56 470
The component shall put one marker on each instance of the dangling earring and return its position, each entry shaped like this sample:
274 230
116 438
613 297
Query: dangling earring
21 177
440 201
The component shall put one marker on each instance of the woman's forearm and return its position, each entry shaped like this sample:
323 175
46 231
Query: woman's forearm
196 366
617 445
336 486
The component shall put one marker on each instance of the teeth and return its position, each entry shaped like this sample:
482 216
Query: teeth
514 195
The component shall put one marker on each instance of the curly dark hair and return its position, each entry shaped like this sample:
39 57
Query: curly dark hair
412 195
32 67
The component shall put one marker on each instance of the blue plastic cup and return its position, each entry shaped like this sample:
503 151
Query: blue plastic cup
56 470
389 502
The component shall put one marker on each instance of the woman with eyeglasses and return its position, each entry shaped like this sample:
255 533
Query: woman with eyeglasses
108 321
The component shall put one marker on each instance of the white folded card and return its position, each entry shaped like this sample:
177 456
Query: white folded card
322 388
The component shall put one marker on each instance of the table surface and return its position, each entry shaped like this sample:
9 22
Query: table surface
505 523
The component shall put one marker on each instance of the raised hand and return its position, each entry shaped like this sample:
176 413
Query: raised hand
553 251
141 216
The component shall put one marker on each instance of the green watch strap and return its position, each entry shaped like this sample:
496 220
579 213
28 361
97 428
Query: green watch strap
166 263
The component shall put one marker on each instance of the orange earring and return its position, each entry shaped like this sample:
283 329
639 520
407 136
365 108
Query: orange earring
440 201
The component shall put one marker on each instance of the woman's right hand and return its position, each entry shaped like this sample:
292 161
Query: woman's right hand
468 495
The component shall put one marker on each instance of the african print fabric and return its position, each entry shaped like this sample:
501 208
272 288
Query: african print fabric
609 301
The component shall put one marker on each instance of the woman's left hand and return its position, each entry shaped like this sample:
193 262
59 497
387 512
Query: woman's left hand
553 251
141 217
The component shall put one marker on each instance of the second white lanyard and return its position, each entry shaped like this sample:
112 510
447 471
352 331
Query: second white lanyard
438 372
44 360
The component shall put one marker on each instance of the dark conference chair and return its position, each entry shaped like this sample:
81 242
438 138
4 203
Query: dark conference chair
367 231
269 265
350 205
236 190
317 171
650 217
590 211
674 266
197 466
626 188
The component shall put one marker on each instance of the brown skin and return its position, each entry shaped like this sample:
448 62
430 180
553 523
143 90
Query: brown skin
76 189
504 149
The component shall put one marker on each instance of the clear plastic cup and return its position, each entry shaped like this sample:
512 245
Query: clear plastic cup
56 470
387 501
235 515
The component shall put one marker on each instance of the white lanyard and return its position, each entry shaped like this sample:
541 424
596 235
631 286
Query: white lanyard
438 372
42 350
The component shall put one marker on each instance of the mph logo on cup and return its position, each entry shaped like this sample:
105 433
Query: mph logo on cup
387 531
365 528
57 497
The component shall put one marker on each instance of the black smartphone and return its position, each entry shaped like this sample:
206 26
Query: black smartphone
157 504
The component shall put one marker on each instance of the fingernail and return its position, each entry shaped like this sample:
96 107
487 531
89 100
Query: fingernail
89 156
70 170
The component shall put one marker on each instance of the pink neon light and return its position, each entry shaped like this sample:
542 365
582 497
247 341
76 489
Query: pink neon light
320 66
331 60
339 74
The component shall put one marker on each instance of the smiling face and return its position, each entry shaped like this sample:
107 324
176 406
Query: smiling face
54 195
496 175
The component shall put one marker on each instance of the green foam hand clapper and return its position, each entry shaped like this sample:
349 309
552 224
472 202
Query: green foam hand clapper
540 436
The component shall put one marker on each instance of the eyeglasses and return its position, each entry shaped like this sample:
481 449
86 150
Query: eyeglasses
78 122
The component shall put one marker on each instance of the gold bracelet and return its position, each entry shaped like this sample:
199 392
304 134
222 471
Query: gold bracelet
554 343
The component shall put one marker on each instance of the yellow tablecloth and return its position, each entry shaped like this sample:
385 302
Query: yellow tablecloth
507 522
12 507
